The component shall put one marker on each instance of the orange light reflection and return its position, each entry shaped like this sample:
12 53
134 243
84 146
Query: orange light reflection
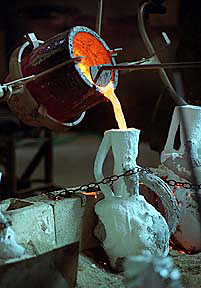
90 194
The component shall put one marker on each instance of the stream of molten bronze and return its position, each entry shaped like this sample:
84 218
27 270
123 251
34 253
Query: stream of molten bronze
87 45
108 92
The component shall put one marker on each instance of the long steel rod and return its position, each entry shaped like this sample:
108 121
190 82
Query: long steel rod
99 16
179 65
50 70
30 78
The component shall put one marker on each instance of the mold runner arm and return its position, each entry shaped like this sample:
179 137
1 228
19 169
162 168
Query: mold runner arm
151 51
169 146
98 165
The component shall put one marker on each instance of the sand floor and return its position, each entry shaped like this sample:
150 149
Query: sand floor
91 275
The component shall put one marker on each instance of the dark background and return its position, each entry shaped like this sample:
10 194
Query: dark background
139 92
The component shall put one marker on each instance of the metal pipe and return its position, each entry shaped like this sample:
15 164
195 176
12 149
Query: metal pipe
151 51
48 157
34 162
99 16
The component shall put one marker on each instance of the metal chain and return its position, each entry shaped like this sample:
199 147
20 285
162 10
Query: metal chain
185 185
94 186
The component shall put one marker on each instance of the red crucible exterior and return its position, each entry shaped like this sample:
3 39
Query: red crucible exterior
68 91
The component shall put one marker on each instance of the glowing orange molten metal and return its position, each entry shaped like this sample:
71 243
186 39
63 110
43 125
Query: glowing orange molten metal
108 92
85 44
95 53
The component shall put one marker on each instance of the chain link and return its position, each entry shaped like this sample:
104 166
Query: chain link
95 186
185 185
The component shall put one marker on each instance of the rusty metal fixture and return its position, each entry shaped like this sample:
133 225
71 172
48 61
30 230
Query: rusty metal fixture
63 94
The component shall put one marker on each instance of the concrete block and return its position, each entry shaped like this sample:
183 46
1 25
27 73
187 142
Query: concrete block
67 218
33 224
50 232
